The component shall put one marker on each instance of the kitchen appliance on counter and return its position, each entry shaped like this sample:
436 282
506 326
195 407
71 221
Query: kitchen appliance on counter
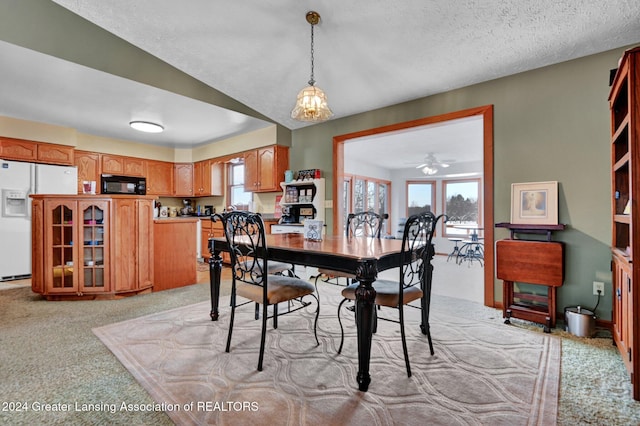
187 210
290 214
128 185
18 180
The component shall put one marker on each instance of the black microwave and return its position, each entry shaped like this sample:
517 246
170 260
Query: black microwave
129 185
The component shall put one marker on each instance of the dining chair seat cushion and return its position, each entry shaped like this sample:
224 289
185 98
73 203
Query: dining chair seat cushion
387 293
272 267
280 288
332 273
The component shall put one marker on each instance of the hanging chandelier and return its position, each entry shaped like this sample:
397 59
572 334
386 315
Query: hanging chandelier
311 104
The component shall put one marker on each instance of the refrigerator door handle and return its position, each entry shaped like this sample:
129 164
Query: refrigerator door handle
29 201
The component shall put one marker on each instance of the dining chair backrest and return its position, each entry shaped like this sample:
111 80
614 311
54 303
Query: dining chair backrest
417 248
245 236
365 224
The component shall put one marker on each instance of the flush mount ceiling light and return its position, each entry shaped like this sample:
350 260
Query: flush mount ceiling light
312 102
146 126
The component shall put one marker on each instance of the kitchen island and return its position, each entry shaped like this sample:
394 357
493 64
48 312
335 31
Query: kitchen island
174 252
108 246
91 246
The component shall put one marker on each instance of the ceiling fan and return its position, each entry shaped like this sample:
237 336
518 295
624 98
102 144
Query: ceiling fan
431 164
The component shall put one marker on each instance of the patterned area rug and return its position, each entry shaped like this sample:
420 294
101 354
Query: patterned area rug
481 374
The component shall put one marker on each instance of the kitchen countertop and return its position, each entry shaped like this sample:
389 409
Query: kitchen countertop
165 220
265 218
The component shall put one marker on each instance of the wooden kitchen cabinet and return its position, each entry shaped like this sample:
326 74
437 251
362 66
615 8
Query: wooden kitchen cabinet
208 178
121 165
183 179
35 152
202 178
132 244
217 169
55 154
159 178
88 164
18 149
264 168
87 247
71 250
210 230
175 252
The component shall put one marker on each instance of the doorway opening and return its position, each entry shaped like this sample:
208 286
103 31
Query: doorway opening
483 112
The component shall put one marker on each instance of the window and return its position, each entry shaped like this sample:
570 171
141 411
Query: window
462 206
420 197
366 194
236 194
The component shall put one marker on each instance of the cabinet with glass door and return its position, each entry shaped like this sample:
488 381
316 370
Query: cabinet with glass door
60 252
94 254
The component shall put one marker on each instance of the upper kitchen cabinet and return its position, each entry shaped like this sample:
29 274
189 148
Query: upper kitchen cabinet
17 149
88 164
159 178
120 165
264 168
35 152
208 178
183 179
55 154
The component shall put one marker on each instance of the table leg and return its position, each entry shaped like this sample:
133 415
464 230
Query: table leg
215 270
507 300
365 298
427 280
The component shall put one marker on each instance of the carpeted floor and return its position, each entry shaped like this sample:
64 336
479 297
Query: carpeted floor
49 355
481 373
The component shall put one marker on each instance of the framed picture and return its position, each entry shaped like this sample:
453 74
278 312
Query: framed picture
534 203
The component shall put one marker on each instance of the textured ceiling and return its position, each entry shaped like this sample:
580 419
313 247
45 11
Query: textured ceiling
367 54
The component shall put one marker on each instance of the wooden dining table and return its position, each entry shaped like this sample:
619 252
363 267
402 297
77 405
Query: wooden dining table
360 255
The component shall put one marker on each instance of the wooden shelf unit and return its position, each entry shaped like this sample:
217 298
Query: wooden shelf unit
624 108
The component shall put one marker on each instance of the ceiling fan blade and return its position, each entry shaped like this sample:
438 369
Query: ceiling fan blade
421 166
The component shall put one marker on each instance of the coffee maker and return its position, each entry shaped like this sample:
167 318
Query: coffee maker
290 214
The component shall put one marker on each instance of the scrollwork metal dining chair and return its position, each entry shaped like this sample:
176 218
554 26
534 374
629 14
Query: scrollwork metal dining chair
245 235
414 283
361 224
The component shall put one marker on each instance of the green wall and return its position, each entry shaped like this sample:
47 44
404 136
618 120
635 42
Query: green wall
549 124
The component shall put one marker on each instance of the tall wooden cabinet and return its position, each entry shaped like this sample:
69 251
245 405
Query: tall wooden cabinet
624 106
88 247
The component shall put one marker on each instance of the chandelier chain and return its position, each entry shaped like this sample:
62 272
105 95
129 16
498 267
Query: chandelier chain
312 80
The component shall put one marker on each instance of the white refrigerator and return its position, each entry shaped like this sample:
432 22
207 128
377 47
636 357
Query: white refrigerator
17 181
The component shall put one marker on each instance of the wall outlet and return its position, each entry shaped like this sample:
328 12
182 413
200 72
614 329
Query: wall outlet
598 286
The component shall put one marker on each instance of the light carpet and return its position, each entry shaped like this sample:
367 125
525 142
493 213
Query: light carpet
482 373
